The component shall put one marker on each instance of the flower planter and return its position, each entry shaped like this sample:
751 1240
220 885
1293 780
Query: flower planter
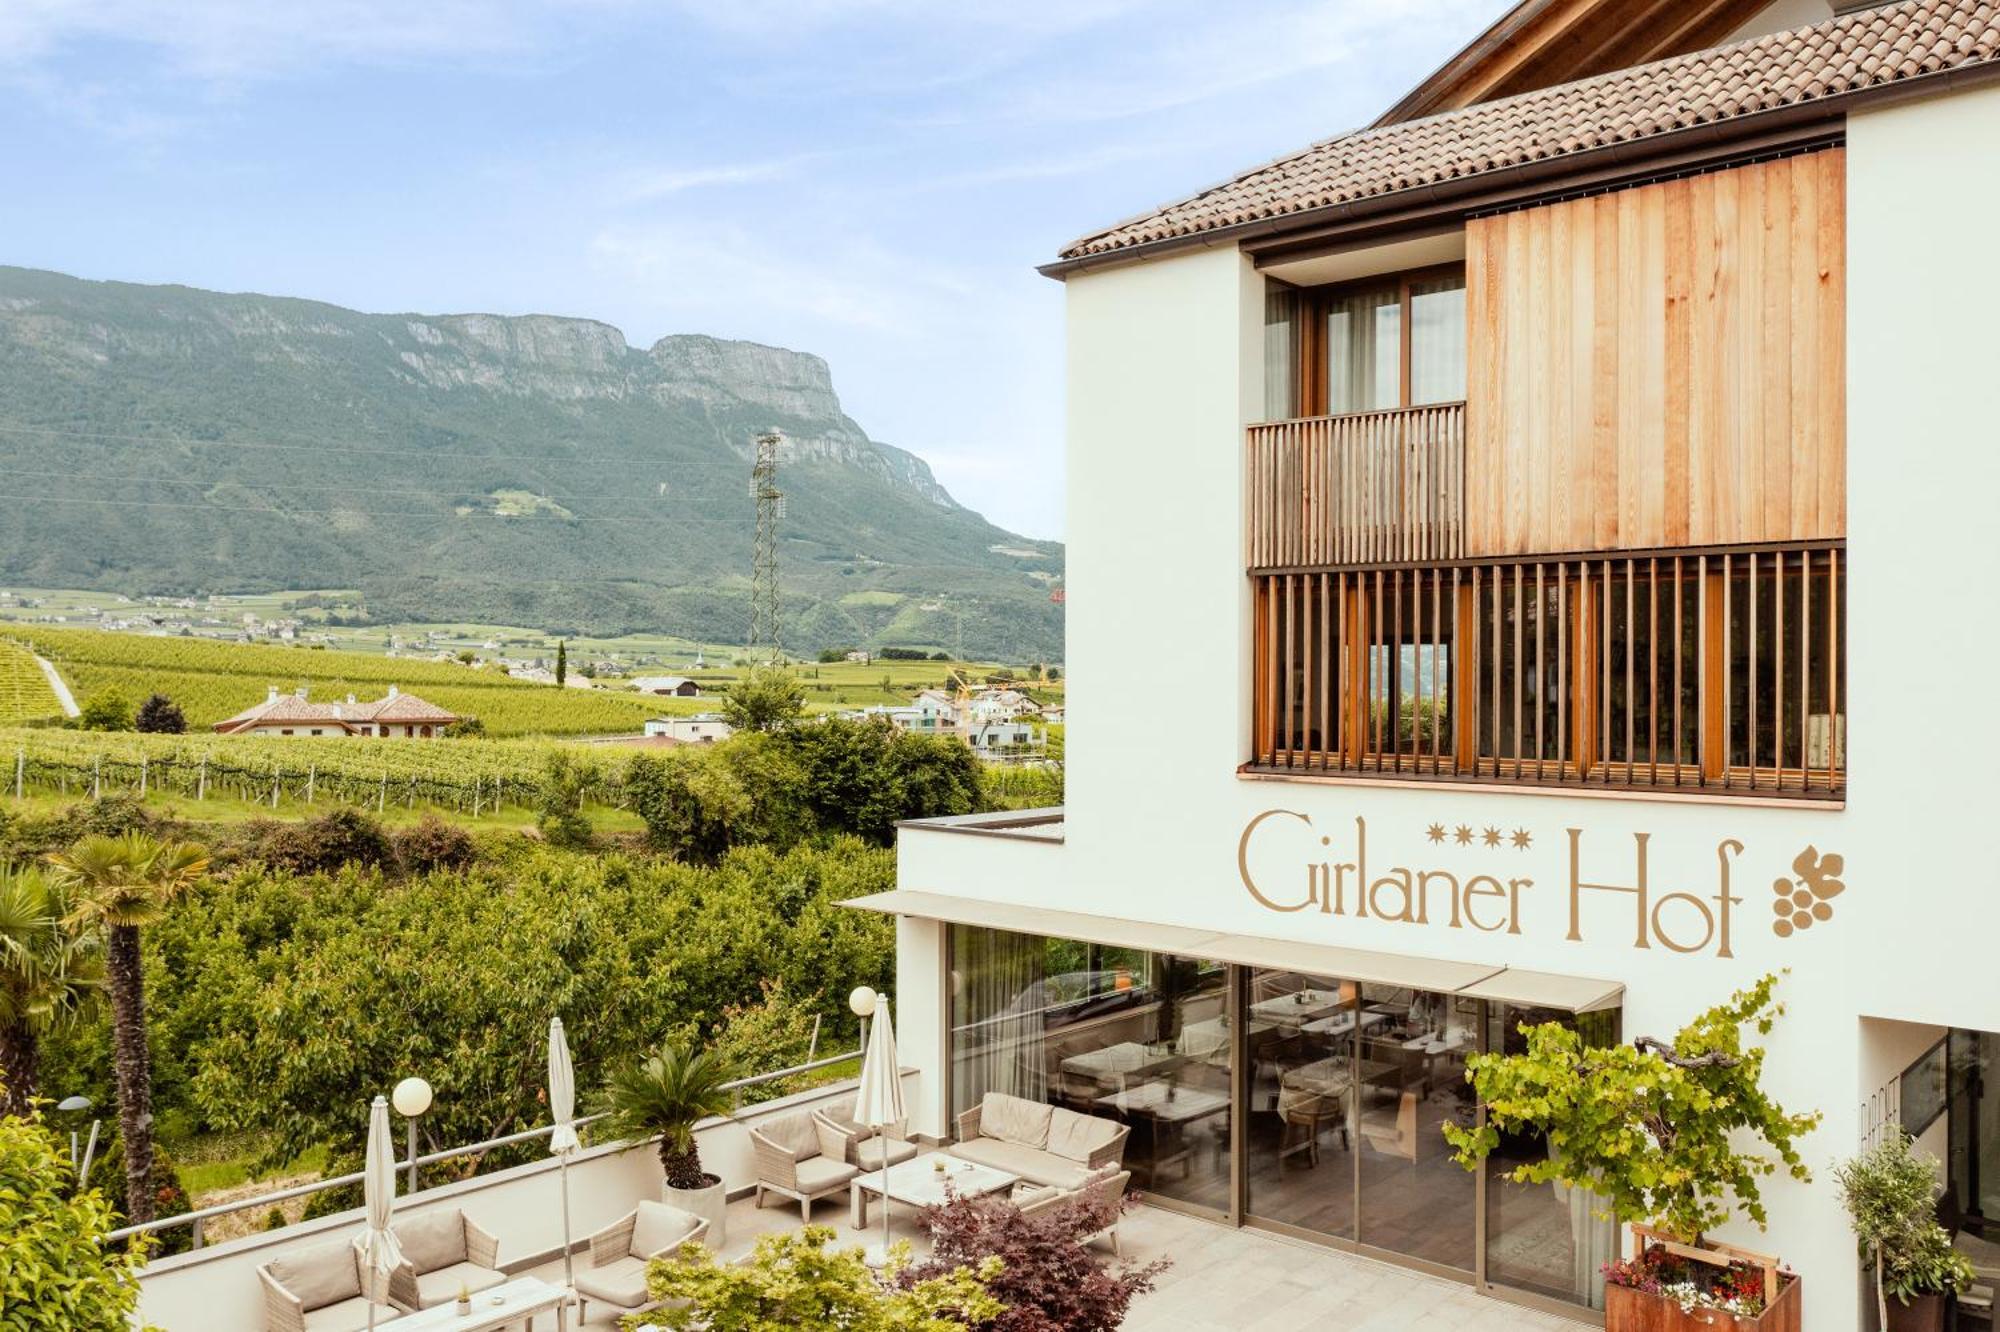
710 1203
1628 1310
1924 1313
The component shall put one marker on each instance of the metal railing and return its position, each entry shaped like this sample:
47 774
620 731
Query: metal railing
197 1218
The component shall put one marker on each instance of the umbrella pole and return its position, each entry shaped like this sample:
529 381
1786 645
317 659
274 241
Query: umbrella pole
569 1270
885 1202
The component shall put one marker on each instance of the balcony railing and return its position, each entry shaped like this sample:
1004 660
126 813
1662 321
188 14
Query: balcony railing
1373 488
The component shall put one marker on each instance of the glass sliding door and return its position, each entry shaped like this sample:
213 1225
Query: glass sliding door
1298 1130
1415 1200
1546 1239
1114 1033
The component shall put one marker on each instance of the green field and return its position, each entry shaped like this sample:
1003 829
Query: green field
24 691
212 680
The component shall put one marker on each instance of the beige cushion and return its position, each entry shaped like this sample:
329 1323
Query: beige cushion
795 1133
1011 1119
442 1285
319 1275
868 1155
832 1142
660 1228
346 1316
1036 1167
1074 1137
822 1173
433 1240
1027 1195
621 1283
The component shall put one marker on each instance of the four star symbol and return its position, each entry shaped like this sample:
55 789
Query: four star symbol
1521 839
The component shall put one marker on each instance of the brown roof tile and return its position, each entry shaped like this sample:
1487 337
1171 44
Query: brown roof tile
1863 50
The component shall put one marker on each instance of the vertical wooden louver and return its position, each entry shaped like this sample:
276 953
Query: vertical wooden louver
1378 486
1718 670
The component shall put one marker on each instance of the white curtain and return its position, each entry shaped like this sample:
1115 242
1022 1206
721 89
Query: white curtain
997 1005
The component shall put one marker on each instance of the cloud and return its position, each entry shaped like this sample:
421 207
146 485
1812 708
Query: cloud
643 183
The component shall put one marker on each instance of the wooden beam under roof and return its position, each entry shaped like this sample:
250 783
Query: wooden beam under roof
1539 43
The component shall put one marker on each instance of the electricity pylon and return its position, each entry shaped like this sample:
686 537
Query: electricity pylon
764 603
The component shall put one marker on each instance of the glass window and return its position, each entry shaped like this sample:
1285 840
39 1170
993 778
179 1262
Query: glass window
1437 340
1545 1238
1414 1197
1364 350
1115 1033
1299 1131
1281 395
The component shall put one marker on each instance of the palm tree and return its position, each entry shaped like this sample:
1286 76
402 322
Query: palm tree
48 971
668 1094
124 884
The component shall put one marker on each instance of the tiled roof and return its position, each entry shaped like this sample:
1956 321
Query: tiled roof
410 708
1866 49
400 708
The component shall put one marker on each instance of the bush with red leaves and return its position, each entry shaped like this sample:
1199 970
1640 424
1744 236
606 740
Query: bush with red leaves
1051 1281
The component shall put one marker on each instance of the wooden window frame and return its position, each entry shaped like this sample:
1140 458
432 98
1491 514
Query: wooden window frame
1312 376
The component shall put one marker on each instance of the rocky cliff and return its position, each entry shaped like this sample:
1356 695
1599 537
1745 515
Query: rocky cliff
533 469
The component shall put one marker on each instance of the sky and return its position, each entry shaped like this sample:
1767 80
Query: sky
870 180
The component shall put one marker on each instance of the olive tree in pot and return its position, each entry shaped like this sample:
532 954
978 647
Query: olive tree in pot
1891 1196
1660 1132
667 1094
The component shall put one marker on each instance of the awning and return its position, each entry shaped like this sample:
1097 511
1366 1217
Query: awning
1472 980
1544 989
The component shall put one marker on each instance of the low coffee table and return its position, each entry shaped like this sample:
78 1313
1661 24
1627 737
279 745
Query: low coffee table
516 1301
918 1183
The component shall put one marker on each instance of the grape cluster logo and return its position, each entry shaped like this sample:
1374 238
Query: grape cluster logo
1808 897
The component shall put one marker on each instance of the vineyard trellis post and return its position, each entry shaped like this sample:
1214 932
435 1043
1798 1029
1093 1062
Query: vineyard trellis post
201 780
142 777
476 789
20 772
276 775
97 776
312 772
382 793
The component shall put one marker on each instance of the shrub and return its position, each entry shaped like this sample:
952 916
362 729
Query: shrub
1890 1193
339 837
1660 1131
106 710
107 1176
1047 1278
767 698
55 1273
793 1280
564 784
434 844
159 715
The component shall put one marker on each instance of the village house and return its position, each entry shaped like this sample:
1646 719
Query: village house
668 686
705 729
395 715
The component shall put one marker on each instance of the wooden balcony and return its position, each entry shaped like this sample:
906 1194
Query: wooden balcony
1371 488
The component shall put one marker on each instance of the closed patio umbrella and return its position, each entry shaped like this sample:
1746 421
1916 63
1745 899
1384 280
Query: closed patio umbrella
380 1254
563 1141
879 1102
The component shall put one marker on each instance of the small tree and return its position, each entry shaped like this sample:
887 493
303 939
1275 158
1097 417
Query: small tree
56 1275
1890 1193
1048 1279
560 813
668 1094
105 710
1652 1128
160 715
49 970
562 661
793 1280
767 698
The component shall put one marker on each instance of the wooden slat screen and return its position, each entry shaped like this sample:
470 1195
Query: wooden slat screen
1367 488
1715 670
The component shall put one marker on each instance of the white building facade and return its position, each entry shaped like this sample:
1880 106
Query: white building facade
1457 772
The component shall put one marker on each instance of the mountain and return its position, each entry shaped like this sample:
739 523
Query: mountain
529 470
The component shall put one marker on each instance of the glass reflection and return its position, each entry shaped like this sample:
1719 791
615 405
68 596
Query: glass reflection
1545 1238
1410 1074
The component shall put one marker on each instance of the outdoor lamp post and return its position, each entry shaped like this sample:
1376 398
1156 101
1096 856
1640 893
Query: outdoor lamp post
79 1105
412 1098
862 1002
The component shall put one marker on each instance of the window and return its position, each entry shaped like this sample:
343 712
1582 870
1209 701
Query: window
1373 346
1720 669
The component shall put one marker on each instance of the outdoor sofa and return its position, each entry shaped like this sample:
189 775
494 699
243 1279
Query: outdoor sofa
316 1288
1042 1144
863 1147
1103 1192
443 1252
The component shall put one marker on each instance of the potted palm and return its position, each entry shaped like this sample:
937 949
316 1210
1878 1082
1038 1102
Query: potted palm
1661 1132
667 1094
1890 1192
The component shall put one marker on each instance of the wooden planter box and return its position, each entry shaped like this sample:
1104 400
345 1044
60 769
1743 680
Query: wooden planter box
1628 1310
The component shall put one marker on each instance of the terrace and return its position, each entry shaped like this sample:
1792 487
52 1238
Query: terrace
1219 1277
